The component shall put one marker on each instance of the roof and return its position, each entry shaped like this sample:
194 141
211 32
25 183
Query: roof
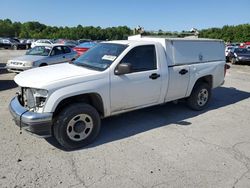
129 42
140 37
50 45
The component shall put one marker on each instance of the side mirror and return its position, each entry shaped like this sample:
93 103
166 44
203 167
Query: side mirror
123 68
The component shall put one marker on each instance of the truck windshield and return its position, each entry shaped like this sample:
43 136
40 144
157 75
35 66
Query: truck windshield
101 56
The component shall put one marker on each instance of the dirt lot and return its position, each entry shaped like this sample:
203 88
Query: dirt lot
163 146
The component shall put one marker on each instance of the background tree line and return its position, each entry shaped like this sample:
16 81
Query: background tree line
36 30
239 33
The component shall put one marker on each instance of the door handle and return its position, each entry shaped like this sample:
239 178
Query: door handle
154 76
183 71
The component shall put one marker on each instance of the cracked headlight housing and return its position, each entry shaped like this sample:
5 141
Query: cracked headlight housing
34 99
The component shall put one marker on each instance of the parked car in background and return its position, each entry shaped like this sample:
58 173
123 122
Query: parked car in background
235 44
59 41
246 44
27 42
228 51
82 48
240 55
41 42
71 43
84 40
8 43
41 56
66 42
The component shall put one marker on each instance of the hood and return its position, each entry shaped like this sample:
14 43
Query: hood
30 58
54 76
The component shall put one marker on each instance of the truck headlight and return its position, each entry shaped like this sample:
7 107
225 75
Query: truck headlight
34 98
40 96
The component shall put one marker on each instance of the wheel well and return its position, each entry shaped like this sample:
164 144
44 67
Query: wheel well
92 99
206 79
43 64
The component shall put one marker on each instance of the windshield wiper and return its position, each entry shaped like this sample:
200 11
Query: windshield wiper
87 66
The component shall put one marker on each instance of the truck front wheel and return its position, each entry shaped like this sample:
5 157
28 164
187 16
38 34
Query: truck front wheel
76 126
199 97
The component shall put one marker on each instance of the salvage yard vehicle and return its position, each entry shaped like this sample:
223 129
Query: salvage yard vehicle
240 55
8 43
228 51
83 47
69 100
41 56
41 42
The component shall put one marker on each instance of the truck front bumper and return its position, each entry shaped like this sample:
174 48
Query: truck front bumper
39 124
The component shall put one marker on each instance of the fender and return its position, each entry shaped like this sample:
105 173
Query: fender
206 69
100 87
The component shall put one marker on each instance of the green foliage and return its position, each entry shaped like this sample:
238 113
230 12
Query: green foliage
37 30
239 33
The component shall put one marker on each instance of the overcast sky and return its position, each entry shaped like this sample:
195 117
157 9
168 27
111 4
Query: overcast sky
150 14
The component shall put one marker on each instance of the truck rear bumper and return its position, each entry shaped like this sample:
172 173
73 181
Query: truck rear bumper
39 124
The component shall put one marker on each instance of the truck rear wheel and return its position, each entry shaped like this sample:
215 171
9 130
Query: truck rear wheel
76 126
199 97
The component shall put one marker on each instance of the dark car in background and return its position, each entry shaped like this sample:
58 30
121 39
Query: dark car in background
27 42
240 55
9 43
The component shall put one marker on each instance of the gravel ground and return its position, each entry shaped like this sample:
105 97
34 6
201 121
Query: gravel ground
162 146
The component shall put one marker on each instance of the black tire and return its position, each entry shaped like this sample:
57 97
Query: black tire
43 64
199 97
63 129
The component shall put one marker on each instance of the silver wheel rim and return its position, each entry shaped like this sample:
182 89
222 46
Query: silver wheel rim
202 97
80 127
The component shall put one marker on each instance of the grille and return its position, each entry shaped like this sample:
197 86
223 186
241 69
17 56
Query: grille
16 63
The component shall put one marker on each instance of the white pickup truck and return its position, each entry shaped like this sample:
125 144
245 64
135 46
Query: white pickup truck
69 100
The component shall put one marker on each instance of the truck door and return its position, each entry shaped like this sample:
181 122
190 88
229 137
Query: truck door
142 86
178 82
